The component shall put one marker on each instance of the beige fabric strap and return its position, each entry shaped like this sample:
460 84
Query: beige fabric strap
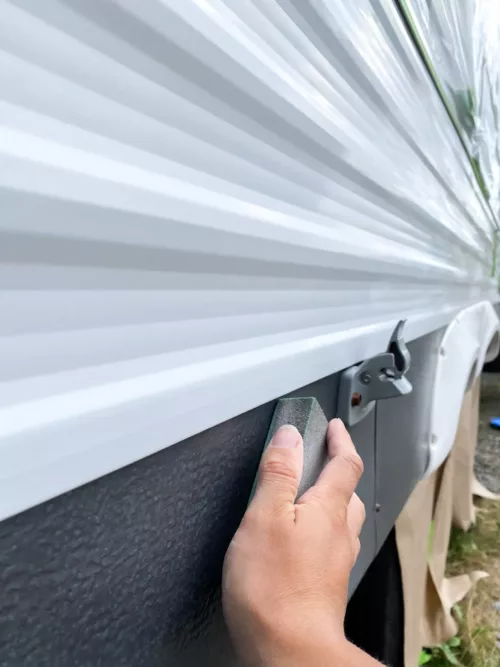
445 498
412 533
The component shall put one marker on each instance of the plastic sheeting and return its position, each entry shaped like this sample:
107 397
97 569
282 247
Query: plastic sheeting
206 204
462 39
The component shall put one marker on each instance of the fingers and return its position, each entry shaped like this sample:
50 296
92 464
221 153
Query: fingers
338 439
356 515
280 471
341 475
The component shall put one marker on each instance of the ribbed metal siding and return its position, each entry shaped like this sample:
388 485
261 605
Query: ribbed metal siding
205 204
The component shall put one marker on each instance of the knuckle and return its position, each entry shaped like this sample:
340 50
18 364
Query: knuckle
333 507
355 463
359 506
278 469
363 510
339 518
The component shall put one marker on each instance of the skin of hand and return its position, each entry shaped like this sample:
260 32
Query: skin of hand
286 571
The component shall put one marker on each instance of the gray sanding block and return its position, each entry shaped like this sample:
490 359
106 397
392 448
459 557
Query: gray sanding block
309 419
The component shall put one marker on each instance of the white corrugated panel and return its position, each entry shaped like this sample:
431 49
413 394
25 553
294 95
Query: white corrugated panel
206 204
462 38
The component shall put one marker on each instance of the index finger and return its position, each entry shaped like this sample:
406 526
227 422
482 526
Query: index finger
342 473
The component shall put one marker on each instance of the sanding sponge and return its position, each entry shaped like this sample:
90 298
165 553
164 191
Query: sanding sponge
308 418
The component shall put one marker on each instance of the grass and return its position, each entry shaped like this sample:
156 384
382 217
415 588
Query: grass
478 620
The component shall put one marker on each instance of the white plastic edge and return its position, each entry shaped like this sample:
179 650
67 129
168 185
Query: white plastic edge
56 444
471 338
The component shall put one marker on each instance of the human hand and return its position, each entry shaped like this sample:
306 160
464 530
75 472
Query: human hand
286 571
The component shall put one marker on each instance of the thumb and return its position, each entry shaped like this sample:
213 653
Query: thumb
280 471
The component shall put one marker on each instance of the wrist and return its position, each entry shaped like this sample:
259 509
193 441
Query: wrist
321 647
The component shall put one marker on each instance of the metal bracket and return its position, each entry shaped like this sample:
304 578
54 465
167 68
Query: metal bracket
376 378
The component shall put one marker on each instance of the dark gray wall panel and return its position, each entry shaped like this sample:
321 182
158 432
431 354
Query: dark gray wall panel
402 435
126 570
363 436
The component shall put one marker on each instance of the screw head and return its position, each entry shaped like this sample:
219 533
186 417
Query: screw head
356 400
366 378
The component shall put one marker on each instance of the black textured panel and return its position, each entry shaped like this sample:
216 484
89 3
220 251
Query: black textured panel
126 570
375 614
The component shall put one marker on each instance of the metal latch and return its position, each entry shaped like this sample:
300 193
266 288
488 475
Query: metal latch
376 378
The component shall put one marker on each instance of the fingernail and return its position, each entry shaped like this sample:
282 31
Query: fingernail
286 436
